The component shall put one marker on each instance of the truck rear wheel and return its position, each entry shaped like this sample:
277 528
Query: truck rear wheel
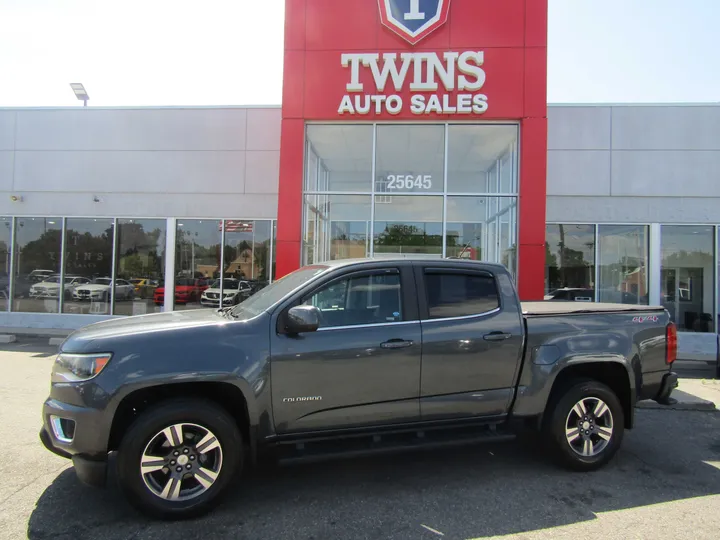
584 426
178 458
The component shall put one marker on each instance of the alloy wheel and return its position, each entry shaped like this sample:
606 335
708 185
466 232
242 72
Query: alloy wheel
181 462
589 427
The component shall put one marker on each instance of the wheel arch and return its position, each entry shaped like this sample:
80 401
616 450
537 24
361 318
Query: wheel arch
618 376
231 396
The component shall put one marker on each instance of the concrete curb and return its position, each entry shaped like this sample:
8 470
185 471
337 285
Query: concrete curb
699 405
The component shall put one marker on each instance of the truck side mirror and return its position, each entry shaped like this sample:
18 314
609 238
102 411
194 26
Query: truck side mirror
302 319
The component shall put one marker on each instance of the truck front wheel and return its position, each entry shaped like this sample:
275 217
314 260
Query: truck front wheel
178 458
584 426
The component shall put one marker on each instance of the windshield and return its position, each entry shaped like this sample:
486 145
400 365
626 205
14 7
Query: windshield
53 279
101 281
267 297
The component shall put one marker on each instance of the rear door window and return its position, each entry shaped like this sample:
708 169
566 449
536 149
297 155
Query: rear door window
459 294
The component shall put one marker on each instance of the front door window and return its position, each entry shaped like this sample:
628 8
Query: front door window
366 299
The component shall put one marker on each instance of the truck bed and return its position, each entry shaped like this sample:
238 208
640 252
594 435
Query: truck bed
566 308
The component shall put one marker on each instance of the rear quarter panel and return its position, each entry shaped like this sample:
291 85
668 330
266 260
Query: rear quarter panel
634 340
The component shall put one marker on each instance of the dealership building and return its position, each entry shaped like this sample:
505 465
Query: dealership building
422 129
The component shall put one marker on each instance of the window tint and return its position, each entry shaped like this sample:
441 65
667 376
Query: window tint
458 295
371 299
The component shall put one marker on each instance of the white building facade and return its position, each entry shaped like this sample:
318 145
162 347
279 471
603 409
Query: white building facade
186 199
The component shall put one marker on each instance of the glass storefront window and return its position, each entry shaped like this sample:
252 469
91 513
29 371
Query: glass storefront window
338 157
408 225
338 227
410 159
246 262
88 267
623 262
197 261
247 245
37 264
408 185
5 239
481 159
472 223
686 276
570 262
140 261
466 227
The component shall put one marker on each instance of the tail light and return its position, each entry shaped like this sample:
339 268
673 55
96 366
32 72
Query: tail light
671 343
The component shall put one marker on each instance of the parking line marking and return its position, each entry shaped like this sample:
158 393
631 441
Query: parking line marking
432 530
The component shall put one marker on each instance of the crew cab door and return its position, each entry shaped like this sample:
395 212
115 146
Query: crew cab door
472 335
362 366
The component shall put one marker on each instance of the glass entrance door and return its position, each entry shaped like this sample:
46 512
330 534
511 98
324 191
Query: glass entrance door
683 294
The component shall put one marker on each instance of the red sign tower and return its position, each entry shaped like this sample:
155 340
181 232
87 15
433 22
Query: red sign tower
491 57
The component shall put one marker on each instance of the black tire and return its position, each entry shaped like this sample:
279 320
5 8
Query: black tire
187 411
561 411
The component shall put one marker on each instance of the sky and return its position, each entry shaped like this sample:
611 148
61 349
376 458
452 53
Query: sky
229 52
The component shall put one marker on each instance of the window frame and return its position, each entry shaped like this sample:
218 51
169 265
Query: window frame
422 270
409 301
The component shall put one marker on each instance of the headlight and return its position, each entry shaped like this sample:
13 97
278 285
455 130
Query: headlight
78 367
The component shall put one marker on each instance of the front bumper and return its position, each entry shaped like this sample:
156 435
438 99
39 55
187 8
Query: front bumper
88 297
90 472
87 447
669 383
43 294
215 302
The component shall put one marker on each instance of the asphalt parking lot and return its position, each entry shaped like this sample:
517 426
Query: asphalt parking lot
664 483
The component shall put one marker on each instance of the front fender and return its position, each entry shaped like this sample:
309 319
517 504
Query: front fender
232 354
250 397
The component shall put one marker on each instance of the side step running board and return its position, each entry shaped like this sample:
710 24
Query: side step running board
386 443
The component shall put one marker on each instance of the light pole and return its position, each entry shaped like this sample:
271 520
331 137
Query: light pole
80 92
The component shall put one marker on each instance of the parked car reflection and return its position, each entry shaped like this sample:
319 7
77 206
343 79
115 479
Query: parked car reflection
50 287
186 290
99 289
233 292
144 288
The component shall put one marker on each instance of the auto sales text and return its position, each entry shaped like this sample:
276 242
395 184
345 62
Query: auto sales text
455 71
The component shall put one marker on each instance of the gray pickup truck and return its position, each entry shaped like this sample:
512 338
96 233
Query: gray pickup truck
345 358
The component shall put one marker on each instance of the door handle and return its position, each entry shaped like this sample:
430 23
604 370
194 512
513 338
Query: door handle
396 344
497 336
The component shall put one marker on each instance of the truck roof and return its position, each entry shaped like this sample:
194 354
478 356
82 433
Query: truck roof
435 261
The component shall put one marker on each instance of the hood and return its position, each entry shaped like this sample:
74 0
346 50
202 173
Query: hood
82 340
47 285
93 287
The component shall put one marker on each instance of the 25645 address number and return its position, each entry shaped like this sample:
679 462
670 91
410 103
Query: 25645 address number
409 181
